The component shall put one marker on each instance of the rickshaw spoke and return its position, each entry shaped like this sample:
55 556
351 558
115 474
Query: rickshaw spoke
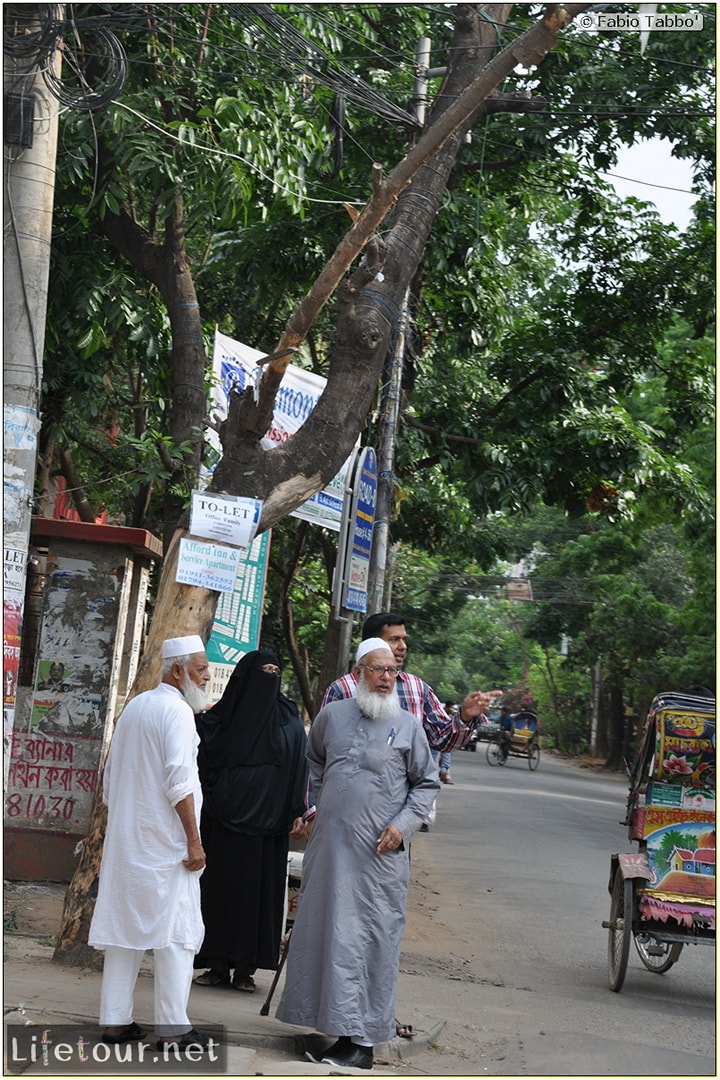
493 754
657 956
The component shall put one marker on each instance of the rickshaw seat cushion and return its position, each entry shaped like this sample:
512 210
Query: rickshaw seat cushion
522 738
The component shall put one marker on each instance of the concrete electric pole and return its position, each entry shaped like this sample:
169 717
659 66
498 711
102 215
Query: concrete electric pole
30 141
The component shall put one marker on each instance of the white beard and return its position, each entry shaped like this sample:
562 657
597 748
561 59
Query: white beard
377 706
196 697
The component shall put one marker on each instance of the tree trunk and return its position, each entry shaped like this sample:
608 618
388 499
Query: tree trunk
45 481
286 573
79 498
333 655
299 666
167 266
72 947
285 476
615 758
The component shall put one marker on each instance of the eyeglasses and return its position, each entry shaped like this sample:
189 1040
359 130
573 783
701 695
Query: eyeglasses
380 669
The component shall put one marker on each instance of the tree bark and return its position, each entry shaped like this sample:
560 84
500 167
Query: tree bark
167 266
72 947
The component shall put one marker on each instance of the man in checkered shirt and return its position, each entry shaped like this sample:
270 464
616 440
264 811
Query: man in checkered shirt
443 732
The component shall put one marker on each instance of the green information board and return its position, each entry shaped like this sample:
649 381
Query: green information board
238 618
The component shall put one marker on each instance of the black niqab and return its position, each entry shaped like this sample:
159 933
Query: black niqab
242 728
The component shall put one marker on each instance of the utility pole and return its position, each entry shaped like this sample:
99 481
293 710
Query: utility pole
386 461
379 588
30 145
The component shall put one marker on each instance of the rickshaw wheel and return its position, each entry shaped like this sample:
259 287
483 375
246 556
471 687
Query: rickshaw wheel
533 758
620 932
494 754
659 964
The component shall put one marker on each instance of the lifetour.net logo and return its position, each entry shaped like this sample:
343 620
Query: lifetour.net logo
77 1050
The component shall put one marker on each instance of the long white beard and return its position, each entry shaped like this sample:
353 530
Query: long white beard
377 706
196 696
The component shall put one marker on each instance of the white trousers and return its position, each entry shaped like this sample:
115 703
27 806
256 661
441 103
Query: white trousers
172 982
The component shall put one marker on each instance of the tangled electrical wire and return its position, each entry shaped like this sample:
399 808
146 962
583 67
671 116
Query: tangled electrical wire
94 64
289 47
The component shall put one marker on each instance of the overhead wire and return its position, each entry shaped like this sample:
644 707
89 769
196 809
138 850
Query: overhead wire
46 30
301 42
291 43
302 53
217 150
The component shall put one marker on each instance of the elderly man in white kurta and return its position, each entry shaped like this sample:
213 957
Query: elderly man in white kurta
149 888
374 781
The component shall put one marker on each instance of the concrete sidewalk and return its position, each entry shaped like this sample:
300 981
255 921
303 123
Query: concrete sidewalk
43 994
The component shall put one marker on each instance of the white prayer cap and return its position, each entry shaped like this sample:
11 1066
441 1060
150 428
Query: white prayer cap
182 646
370 645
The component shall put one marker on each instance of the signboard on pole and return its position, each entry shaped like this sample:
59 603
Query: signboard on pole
231 519
356 564
207 565
238 617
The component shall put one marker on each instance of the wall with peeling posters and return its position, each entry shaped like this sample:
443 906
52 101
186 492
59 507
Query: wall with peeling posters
87 591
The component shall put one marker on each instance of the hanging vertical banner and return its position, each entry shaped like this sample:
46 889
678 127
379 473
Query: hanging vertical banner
238 617
362 522
236 367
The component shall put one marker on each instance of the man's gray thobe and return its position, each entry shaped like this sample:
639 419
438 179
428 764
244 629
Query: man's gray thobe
345 948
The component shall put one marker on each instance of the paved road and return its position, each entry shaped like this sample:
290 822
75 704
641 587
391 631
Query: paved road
523 859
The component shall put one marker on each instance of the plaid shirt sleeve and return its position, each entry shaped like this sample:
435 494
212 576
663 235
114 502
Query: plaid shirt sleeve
443 732
342 688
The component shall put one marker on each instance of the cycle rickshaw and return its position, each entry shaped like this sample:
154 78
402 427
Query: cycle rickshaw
523 742
663 896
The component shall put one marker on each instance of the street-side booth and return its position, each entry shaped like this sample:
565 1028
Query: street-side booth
84 622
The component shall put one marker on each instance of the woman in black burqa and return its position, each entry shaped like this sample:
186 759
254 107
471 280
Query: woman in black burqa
254 778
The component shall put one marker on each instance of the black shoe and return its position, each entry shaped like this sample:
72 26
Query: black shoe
131 1033
341 1046
352 1057
182 1042
424 827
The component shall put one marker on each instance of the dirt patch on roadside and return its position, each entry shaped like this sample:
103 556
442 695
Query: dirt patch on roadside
33 909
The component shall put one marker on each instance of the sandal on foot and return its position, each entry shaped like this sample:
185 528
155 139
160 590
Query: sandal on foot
128 1034
404 1031
212 978
246 983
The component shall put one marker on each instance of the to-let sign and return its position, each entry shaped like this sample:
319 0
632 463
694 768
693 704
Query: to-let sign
228 518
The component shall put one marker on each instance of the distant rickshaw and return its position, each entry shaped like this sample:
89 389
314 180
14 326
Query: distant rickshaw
522 742
663 895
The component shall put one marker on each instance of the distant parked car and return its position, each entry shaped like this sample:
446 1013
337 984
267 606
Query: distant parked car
486 730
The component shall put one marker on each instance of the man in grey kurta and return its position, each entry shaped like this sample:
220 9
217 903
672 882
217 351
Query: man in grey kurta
374 781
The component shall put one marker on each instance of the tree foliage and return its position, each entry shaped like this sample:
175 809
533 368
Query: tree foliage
561 348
